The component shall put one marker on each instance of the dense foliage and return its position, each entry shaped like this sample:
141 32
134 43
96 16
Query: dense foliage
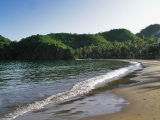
4 41
117 43
150 31
78 41
125 49
119 35
38 47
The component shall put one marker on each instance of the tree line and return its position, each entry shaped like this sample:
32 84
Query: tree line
116 43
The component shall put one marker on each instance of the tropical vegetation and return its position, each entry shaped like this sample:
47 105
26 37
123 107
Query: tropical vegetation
116 43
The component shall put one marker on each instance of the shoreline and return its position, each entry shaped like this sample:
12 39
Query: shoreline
144 97
26 109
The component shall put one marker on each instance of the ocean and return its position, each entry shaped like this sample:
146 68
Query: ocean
60 90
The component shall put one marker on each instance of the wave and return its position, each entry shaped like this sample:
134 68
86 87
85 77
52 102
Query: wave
78 89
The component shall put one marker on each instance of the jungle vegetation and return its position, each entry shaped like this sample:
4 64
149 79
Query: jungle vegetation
116 43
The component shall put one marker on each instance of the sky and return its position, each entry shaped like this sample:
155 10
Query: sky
23 18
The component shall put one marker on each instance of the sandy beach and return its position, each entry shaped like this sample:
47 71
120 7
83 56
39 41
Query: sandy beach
144 97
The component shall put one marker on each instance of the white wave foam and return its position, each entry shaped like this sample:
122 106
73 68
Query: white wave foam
80 88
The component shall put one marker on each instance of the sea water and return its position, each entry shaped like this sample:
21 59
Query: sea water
59 90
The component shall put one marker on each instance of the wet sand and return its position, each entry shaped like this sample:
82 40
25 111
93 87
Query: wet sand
144 97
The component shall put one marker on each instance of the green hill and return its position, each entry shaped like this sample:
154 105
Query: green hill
116 43
4 44
119 35
150 31
38 47
78 40
4 41
43 48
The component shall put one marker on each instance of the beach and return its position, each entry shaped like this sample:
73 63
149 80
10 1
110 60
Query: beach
144 97
114 98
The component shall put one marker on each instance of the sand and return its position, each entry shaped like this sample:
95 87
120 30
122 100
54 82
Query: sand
144 97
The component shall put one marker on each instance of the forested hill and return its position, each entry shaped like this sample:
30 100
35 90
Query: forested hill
79 40
4 41
150 31
117 43
119 35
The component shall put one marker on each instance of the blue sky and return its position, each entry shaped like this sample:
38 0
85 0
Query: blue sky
22 18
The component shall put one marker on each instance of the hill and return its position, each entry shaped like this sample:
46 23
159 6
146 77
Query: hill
38 47
4 41
119 35
116 43
150 31
78 40
4 44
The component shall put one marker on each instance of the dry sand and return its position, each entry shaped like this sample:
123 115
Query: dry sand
144 98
